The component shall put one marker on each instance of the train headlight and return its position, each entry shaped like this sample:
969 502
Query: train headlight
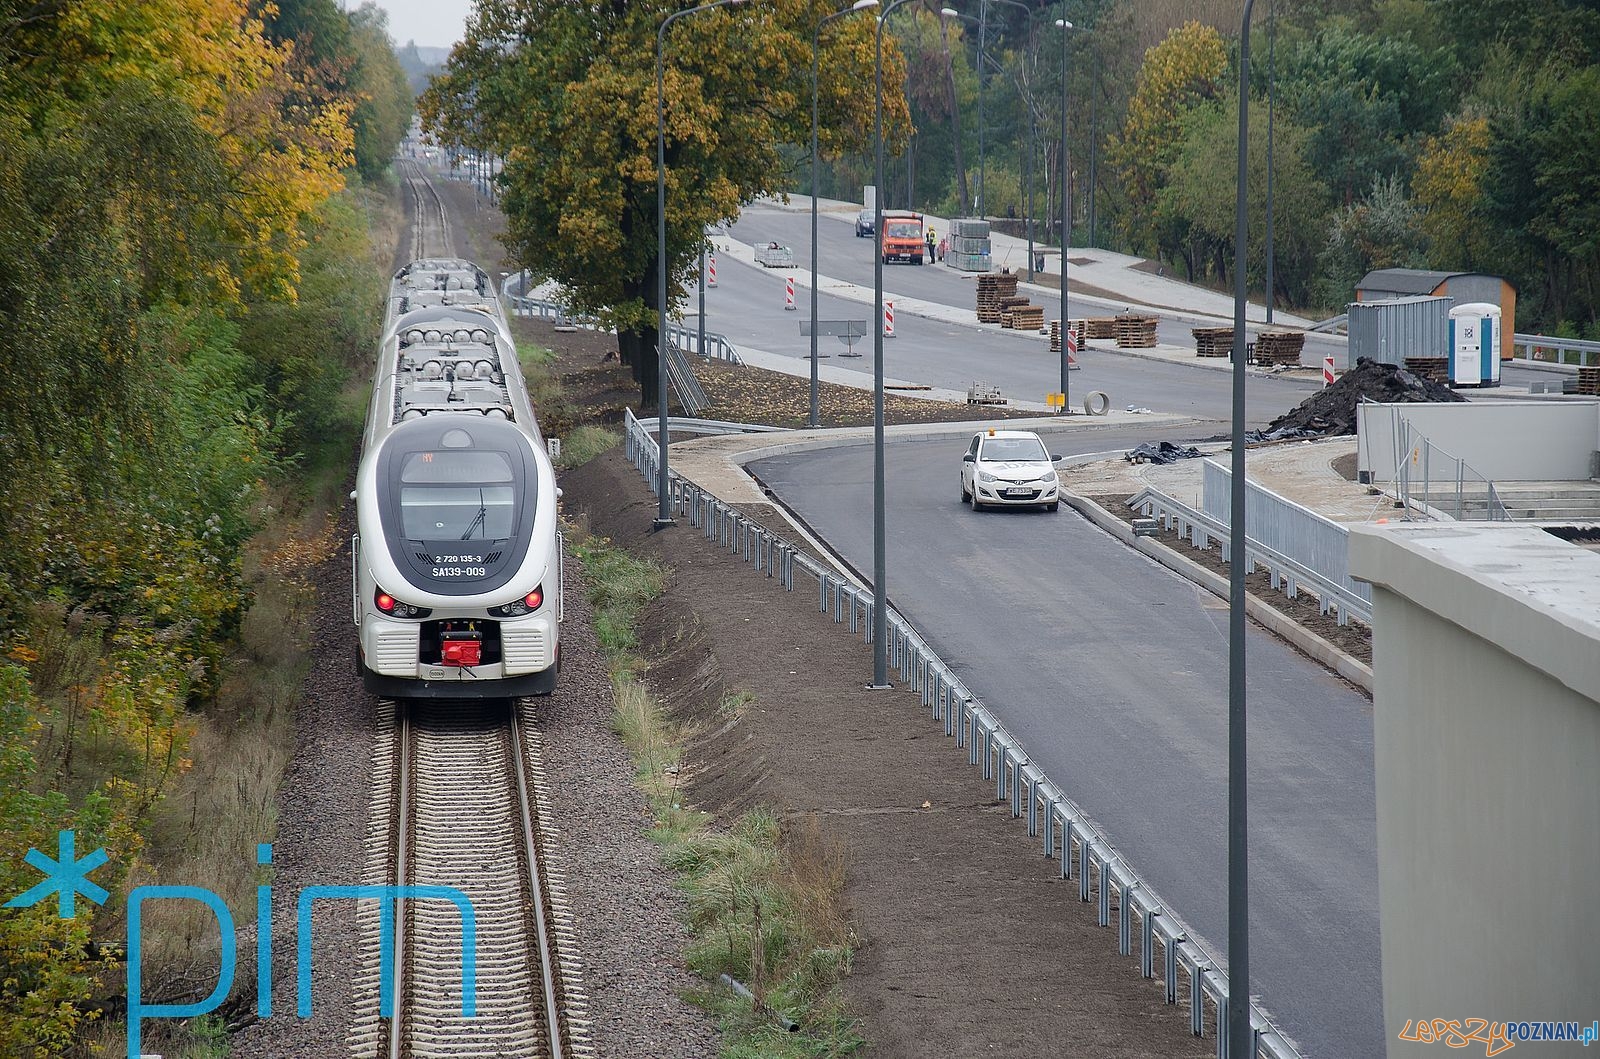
526 605
387 604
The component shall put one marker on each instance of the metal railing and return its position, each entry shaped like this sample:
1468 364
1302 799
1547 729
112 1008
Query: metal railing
1286 574
1546 349
1281 528
1449 485
1064 831
718 347
690 394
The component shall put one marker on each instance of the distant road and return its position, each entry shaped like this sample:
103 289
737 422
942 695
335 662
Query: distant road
954 357
747 306
1111 670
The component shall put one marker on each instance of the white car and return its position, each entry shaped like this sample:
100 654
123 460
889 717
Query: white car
1009 468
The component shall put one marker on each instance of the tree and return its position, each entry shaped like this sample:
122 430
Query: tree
566 94
1197 200
1448 190
1365 97
1178 74
1381 230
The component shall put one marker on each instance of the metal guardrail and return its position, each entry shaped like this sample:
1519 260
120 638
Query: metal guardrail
1064 831
1564 352
1293 531
1287 575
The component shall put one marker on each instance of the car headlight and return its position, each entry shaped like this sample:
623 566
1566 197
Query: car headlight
1050 477
985 476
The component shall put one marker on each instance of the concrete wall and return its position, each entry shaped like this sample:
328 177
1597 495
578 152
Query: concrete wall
1487 742
1505 441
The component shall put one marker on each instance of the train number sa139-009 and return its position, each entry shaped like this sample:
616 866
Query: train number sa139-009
460 571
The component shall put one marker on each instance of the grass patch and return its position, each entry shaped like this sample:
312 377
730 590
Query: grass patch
584 444
763 896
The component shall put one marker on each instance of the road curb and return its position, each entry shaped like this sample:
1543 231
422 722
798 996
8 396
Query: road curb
1266 615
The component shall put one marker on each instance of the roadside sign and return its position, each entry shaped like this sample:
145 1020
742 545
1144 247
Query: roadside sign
1055 400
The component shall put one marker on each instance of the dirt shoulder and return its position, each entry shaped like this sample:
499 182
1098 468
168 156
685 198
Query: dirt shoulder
971 942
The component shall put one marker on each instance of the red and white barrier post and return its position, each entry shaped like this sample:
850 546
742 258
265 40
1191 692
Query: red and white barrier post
711 271
788 294
888 319
1327 370
1072 347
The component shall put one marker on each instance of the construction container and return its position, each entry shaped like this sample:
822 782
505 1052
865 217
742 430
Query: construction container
1475 345
1392 330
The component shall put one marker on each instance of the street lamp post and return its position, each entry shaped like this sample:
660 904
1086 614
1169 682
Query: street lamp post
1066 216
814 420
983 27
663 517
1238 1030
1272 93
880 594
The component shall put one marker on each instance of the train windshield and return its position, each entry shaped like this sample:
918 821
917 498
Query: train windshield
460 495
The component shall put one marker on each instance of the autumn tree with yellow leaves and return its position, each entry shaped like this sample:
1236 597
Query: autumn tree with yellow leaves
567 94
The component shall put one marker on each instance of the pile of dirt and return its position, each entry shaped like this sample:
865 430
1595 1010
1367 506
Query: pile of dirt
1332 412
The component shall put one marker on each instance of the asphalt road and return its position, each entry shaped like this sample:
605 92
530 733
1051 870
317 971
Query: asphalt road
845 257
1112 672
747 306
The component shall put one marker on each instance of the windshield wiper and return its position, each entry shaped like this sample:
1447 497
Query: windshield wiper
478 520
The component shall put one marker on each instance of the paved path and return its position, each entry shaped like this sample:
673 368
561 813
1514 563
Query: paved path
1107 667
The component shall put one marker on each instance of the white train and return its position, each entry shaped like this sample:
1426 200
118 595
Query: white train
456 564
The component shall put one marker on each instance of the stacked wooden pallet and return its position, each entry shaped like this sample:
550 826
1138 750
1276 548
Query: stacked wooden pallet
1135 331
1102 327
1589 381
1213 341
1027 318
1079 327
992 289
1434 369
1279 347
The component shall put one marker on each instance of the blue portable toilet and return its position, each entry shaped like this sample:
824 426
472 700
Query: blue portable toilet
1475 345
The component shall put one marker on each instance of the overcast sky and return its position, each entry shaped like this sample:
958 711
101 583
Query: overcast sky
431 23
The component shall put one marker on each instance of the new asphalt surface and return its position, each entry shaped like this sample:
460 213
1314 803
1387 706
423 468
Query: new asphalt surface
747 306
1112 672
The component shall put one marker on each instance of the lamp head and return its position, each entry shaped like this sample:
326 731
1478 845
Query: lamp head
862 5
1063 23
949 12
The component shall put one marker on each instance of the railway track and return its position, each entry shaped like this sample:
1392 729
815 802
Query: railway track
430 228
459 803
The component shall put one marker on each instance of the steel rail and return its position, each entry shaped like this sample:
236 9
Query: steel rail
538 909
539 928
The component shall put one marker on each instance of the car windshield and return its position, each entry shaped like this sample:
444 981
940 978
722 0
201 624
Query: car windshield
1012 450
904 231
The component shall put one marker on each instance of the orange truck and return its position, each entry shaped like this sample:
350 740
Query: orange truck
902 238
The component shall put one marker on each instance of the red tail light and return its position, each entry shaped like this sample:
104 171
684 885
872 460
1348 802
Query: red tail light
534 599
385 602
